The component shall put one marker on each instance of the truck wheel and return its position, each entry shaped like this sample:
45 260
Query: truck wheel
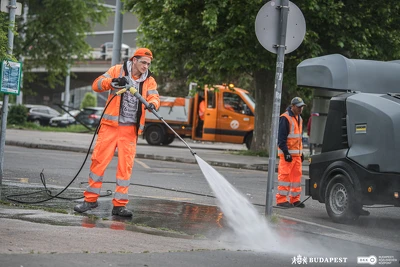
340 201
248 140
155 135
168 139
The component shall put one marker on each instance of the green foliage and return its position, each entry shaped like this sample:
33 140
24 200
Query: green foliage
3 36
357 29
69 129
17 115
89 100
214 41
55 34
4 29
209 42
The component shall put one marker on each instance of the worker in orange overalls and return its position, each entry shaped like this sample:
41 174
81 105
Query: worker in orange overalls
121 124
290 151
202 110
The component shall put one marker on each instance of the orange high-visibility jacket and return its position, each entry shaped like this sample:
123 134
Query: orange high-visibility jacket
202 109
295 137
148 90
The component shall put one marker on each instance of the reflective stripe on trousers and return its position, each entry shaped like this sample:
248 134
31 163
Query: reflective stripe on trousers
109 138
289 180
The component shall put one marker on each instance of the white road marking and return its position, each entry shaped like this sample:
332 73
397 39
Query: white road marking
144 165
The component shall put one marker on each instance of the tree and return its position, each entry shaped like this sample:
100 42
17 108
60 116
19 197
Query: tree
4 27
3 36
89 100
54 34
214 41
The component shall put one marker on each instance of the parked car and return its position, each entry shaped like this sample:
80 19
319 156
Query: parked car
89 116
65 119
41 115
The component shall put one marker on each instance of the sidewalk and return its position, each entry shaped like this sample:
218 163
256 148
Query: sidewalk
216 154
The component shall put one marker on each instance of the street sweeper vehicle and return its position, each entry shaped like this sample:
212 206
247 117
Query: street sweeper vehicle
358 132
228 117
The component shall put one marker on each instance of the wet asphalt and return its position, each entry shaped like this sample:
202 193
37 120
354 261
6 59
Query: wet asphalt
161 233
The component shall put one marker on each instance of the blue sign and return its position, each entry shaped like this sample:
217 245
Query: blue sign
10 77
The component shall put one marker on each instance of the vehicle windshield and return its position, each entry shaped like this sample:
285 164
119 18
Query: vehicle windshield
249 99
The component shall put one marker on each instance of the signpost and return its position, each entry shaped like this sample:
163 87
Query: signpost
10 78
280 28
4 6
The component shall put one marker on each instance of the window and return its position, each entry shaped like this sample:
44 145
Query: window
233 102
210 99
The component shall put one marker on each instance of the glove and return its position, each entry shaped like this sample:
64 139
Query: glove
121 81
150 107
302 157
288 157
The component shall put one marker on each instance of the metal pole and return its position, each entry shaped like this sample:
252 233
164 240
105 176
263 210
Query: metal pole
11 7
67 87
284 10
116 56
19 98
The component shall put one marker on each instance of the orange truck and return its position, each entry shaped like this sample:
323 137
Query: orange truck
228 117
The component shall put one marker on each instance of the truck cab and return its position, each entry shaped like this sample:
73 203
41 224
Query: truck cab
228 117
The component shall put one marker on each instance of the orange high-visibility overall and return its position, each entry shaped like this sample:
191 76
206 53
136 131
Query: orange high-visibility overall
289 173
202 109
112 135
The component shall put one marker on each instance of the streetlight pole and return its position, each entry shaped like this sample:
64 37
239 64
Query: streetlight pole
11 7
116 56
19 98
281 46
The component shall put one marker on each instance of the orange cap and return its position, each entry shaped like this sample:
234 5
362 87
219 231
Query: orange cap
143 52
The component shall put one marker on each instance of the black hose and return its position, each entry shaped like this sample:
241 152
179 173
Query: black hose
42 177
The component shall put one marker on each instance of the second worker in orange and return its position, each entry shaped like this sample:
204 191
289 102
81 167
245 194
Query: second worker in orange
290 144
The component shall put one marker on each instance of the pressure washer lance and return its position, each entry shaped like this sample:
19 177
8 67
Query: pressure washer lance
135 92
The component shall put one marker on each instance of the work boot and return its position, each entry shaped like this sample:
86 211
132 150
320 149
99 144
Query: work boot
85 206
285 205
121 211
298 204
363 212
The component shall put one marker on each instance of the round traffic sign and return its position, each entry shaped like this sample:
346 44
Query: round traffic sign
267 26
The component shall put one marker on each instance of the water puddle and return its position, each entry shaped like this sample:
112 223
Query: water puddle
188 218
160 214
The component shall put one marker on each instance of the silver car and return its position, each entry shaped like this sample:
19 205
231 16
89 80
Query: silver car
65 119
